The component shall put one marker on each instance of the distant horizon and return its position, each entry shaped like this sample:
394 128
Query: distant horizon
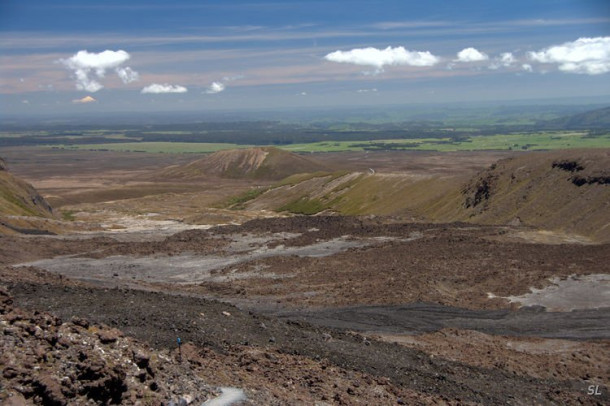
246 114
68 57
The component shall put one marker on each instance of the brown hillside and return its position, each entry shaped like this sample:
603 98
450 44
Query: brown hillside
251 163
566 191
19 198
560 190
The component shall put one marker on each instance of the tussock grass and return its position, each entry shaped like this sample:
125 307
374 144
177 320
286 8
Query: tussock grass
237 202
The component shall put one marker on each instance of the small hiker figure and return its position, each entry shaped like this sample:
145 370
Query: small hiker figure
179 349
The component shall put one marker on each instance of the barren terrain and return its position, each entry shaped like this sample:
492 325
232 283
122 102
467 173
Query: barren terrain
293 309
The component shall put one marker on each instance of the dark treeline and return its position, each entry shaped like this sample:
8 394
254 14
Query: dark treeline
255 133
37 140
266 132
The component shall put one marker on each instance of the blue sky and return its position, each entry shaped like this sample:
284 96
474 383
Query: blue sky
83 56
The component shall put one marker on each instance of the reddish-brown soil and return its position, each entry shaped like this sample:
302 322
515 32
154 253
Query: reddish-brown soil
47 361
300 310
274 362
454 265
280 358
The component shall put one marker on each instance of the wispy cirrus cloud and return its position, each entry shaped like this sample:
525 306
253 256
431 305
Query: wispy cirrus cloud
89 68
378 58
157 88
246 34
393 25
492 26
589 56
536 22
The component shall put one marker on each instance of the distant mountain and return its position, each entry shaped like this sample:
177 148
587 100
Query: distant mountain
594 119
250 163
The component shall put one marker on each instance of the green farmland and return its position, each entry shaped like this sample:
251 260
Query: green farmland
513 141
519 141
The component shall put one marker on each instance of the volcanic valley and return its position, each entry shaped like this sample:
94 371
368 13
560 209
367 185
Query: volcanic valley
263 277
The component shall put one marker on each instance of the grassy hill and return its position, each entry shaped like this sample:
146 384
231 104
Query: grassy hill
250 163
562 190
19 198
349 193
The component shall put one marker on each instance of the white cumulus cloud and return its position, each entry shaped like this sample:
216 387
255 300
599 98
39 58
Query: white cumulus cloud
505 60
215 87
527 67
379 58
127 75
589 56
471 55
157 88
90 67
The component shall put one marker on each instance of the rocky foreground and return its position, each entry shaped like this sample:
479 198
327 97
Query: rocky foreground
46 360
101 335
51 362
